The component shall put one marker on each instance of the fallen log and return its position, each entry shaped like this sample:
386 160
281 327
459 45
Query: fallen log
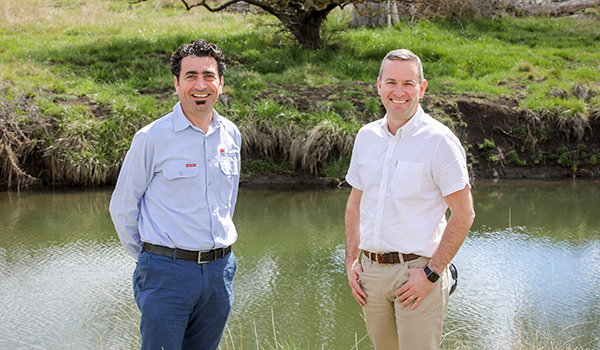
560 8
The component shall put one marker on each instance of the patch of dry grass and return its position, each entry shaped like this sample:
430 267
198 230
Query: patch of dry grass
21 127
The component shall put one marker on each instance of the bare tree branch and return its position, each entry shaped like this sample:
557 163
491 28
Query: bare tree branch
205 5
303 18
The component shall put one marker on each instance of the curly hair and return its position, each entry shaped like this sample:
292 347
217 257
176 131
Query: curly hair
198 48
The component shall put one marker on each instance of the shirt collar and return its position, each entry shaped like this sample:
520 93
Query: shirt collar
408 127
181 122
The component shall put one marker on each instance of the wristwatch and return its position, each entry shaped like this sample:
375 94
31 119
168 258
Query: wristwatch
431 275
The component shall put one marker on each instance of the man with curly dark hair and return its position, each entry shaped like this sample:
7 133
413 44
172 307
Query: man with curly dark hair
173 206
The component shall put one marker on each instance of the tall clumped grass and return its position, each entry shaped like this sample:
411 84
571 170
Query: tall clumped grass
303 148
326 139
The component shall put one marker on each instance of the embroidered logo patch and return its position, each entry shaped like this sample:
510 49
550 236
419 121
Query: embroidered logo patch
191 165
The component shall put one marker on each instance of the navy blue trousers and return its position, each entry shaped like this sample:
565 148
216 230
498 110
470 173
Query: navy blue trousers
184 305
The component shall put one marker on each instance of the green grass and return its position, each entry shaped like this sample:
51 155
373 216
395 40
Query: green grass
115 55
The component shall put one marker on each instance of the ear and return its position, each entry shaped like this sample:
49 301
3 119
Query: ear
176 82
378 86
423 87
222 83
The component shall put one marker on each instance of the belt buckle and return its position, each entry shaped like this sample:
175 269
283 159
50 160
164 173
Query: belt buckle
377 259
200 256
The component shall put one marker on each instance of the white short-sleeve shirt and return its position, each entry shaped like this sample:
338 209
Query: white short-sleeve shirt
404 179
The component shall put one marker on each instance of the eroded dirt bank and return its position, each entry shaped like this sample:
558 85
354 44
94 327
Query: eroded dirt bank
502 140
522 144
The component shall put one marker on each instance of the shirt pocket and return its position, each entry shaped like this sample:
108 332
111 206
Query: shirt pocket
228 163
407 179
182 187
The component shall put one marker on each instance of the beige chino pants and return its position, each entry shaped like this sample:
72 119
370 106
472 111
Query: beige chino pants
391 326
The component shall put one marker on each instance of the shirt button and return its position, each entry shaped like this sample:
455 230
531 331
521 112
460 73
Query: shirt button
181 173
379 207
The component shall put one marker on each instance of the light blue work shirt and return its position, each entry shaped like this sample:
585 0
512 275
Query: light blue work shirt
178 185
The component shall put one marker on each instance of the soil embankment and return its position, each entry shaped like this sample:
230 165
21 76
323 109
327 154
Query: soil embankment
502 141
525 145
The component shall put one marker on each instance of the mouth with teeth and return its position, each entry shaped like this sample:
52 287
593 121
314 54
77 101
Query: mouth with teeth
200 96
398 102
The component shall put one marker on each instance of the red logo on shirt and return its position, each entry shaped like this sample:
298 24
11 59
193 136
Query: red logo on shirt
192 165
222 150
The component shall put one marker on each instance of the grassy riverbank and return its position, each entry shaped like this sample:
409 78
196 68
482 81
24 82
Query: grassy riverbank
77 79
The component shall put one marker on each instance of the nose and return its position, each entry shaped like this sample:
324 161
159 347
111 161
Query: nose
400 89
200 83
398 92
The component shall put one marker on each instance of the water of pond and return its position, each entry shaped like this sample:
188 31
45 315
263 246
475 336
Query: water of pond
529 274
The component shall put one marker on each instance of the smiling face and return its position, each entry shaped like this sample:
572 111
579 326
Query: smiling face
198 87
400 91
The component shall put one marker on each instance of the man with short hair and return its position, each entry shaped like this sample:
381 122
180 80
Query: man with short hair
173 206
406 170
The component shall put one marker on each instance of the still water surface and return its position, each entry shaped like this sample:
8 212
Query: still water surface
528 271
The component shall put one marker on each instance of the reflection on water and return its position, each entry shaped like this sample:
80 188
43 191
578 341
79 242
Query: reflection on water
530 266
61 273
528 271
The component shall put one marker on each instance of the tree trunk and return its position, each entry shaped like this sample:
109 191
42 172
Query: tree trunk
307 30
310 32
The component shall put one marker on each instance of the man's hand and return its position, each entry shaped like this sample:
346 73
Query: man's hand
461 219
353 270
417 287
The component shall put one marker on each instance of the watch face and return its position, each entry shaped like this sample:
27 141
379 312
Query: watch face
431 275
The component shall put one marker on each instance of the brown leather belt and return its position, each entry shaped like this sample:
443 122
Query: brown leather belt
201 257
390 258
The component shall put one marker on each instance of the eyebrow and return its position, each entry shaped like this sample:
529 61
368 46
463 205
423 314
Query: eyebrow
402 81
194 72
